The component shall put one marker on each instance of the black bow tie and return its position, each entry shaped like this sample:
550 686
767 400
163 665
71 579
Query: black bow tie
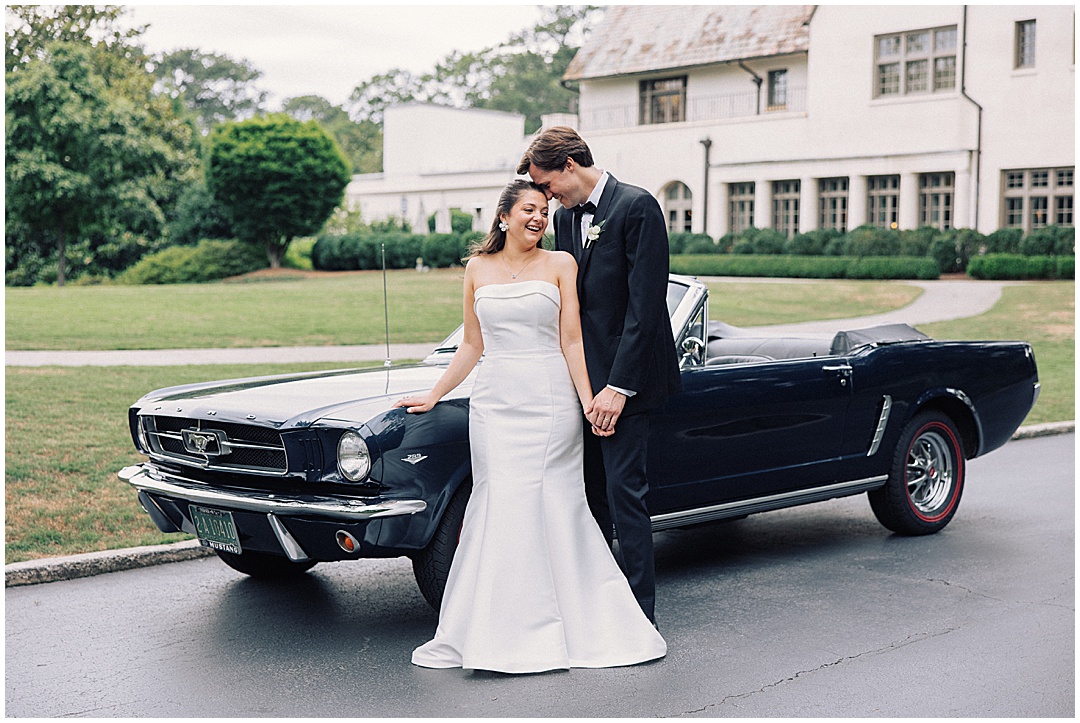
587 207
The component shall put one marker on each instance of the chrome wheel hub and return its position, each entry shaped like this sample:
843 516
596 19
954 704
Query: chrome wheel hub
930 473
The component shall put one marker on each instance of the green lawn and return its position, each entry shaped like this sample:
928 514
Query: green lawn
332 309
66 427
346 308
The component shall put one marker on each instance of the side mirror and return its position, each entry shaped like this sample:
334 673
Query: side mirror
693 350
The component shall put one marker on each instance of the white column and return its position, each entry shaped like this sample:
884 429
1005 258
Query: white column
962 203
763 203
720 210
808 207
856 202
909 200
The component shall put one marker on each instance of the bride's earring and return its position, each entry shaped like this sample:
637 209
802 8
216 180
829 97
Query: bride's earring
503 226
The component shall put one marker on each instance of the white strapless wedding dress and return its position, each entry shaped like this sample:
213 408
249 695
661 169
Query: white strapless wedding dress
533 585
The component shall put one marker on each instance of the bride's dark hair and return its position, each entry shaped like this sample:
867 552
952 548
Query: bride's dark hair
496 237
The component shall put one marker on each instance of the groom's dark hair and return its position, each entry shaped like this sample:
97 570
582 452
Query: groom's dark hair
550 149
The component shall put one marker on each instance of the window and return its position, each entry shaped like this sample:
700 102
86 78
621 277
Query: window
915 62
1025 44
1037 197
883 201
740 206
677 207
662 101
832 203
936 200
786 207
777 90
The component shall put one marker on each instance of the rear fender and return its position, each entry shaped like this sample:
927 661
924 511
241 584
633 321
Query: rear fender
958 406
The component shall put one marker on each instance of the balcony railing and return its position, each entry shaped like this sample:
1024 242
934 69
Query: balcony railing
704 108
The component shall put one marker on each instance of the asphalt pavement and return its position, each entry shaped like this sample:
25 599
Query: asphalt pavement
815 611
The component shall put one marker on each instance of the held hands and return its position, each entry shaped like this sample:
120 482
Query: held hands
416 405
604 411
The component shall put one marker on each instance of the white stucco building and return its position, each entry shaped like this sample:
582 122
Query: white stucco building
810 117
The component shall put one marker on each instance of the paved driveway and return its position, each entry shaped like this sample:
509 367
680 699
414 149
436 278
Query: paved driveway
811 612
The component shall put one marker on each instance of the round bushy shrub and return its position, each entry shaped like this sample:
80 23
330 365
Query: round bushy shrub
811 243
760 241
679 242
701 244
916 241
1004 241
953 248
872 241
1049 241
209 261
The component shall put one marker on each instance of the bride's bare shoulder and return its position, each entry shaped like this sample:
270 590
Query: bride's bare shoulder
562 259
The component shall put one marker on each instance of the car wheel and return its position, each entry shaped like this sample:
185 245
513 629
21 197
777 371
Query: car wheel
926 478
431 566
264 565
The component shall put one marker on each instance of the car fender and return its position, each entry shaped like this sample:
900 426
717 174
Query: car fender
424 456
960 408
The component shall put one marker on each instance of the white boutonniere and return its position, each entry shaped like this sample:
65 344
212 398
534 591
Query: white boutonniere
594 232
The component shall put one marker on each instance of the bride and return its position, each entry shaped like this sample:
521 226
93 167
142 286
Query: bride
533 585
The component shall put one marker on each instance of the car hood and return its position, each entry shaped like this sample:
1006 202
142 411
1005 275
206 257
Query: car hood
297 400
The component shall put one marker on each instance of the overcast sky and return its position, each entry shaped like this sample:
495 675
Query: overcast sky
328 49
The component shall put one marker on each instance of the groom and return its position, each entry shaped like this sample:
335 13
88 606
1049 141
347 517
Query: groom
618 235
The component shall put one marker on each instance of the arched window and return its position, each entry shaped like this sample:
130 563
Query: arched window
677 207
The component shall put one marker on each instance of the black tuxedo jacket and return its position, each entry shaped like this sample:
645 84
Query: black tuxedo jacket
622 287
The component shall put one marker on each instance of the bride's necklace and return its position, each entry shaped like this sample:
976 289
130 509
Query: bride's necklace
512 274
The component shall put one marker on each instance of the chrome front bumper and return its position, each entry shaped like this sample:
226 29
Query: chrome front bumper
154 481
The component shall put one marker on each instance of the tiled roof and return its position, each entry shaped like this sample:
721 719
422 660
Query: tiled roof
643 38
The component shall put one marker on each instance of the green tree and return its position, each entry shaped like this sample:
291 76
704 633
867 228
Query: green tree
522 75
277 178
361 141
30 28
197 216
373 96
90 151
214 87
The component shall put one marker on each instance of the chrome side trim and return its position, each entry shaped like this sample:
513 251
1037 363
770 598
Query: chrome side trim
886 408
155 481
764 504
288 543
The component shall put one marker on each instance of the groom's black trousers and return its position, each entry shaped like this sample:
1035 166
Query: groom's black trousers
615 486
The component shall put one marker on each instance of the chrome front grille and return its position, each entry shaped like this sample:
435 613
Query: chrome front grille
216 445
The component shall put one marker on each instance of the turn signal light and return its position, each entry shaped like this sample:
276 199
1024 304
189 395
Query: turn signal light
347 542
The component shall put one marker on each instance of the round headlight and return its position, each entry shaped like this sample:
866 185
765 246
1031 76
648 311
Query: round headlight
353 458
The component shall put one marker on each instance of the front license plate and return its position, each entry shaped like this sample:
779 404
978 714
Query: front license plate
215 529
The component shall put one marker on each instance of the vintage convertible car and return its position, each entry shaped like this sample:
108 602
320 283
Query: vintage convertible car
276 474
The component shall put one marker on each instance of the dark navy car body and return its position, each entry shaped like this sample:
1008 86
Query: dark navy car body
279 473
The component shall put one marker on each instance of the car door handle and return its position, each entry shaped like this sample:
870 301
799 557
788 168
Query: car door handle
842 370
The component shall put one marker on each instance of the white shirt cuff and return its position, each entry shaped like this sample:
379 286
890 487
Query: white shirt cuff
626 392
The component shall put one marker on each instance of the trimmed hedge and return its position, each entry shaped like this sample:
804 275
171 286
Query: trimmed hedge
809 267
210 260
1015 266
363 251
